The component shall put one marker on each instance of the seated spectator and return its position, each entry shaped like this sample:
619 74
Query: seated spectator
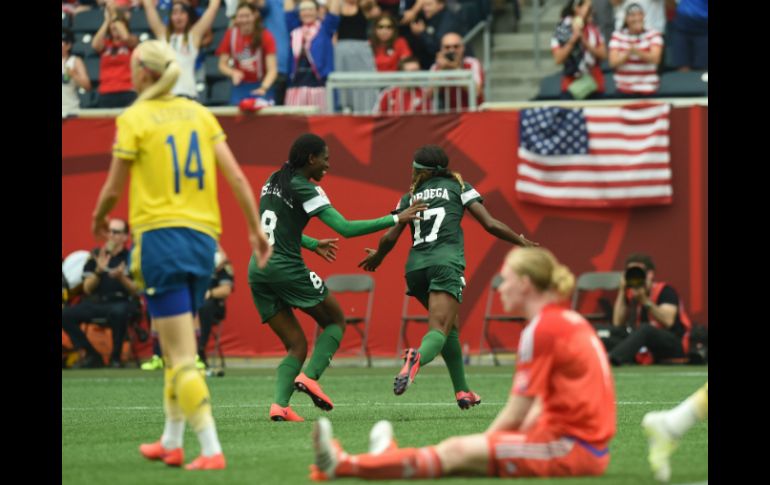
653 312
578 45
312 51
690 35
635 54
213 310
429 32
115 43
400 100
452 56
109 293
251 50
389 49
352 52
73 76
184 33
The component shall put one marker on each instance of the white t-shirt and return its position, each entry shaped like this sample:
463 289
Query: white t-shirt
186 53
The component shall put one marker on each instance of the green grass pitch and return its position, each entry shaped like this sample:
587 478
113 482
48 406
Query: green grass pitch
106 414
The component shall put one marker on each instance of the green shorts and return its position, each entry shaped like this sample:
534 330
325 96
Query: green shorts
420 282
302 289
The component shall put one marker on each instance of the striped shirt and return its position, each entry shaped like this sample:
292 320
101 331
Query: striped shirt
636 75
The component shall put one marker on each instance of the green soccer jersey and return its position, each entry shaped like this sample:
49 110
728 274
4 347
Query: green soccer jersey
283 220
437 240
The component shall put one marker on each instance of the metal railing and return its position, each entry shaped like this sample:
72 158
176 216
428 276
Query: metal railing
485 28
424 80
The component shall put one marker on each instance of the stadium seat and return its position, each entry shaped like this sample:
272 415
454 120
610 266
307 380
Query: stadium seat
87 98
221 22
595 281
492 316
88 21
82 46
138 21
354 283
550 87
202 93
406 319
92 66
213 73
219 93
683 84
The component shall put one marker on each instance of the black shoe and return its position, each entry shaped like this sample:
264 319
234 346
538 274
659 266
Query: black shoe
90 361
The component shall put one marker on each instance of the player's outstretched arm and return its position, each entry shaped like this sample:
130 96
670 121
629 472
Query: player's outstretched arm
497 228
109 195
326 248
345 228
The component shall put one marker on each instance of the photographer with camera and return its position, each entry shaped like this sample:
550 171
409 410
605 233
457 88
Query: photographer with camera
109 293
652 312
451 56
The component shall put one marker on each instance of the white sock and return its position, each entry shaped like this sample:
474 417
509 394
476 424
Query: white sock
681 418
173 434
209 441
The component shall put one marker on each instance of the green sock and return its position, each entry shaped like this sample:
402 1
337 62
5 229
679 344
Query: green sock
325 347
453 356
431 345
288 369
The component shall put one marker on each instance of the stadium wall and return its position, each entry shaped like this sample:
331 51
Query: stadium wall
370 169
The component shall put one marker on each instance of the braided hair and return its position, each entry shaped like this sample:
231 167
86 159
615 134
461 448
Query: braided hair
299 155
435 161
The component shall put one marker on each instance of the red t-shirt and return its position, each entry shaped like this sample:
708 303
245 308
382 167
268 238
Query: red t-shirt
563 361
115 68
238 46
403 100
458 98
387 59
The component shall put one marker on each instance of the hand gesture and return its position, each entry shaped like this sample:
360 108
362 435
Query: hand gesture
236 77
371 261
410 213
327 249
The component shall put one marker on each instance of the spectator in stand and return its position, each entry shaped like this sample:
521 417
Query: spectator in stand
635 54
690 35
352 52
312 51
275 22
184 33
74 7
73 76
654 13
438 21
398 100
452 56
578 45
114 42
389 49
251 50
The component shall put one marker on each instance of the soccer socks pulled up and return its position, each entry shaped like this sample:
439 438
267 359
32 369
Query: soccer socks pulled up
453 356
683 417
431 345
193 396
173 431
287 371
327 344
397 463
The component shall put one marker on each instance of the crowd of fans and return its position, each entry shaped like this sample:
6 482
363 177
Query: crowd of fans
253 53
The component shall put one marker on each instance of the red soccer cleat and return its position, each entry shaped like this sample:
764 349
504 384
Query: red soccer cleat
156 451
278 413
467 399
214 462
408 372
311 388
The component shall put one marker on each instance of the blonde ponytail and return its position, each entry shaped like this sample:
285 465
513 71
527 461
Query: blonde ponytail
543 270
160 59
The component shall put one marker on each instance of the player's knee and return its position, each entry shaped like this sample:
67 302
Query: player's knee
298 349
451 451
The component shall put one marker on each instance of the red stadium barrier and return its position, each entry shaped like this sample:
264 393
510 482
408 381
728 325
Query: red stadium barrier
370 169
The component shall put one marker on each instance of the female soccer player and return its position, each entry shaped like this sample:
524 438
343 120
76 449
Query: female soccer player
171 146
287 203
560 415
434 270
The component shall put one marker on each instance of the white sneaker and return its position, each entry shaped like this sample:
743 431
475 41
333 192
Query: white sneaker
380 437
326 450
661 445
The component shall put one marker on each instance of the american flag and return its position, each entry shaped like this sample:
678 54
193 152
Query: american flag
595 157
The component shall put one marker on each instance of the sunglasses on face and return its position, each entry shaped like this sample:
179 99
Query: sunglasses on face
116 231
385 26
453 46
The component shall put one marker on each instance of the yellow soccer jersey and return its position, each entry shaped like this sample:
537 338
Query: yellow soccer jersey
170 142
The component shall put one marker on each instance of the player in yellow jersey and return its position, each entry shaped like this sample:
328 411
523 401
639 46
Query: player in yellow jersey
171 147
